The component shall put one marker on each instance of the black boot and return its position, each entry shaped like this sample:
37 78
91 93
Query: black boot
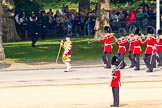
131 66
33 45
149 70
136 69
159 65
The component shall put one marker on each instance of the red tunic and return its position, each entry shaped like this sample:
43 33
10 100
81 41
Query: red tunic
131 47
137 46
116 81
66 56
69 52
121 44
159 46
150 49
107 43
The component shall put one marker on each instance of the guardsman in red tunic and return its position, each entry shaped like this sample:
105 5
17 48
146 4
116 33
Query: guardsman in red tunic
159 46
149 56
131 47
121 42
66 56
115 82
137 49
107 41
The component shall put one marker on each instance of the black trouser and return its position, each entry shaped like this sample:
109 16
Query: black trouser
154 61
130 56
35 37
149 61
121 58
43 32
115 91
159 58
23 32
136 60
107 60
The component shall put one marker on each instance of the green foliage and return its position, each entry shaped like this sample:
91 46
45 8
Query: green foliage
129 3
36 5
27 6
57 6
93 1
55 1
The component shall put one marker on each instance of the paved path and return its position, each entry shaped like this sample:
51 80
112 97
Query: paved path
132 95
86 86
7 66
76 76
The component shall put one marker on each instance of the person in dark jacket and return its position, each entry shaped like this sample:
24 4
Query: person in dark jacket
34 29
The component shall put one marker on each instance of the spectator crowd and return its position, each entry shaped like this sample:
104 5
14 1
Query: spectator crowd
65 21
142 16
48 24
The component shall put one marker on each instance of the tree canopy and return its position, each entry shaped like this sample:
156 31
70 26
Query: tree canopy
35 5
27 6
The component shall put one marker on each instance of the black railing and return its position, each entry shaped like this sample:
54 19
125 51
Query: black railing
116 26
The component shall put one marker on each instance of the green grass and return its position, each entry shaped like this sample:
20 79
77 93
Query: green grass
47 50
58 6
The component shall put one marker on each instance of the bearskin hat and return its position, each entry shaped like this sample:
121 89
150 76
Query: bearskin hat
107 29
68 35
138 32
132 29
115 61
150 30
159 32
122 32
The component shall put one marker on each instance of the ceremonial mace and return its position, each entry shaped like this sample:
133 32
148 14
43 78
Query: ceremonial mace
59 52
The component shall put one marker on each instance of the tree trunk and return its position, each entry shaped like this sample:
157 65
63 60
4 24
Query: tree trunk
84 5
9 29
103 9
2 55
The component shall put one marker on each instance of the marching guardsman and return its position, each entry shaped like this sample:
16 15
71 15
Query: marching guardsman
115 82
121 42
149 56
159 46
107 41
66 56
131 47
137 49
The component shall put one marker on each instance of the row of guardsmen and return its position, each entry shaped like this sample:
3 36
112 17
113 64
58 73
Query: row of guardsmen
152 52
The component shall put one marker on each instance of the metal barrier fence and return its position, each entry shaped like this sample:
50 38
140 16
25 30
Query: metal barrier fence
116 26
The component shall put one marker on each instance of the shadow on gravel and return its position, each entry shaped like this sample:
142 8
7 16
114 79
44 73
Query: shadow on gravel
73 62
122 105
38 63
4 65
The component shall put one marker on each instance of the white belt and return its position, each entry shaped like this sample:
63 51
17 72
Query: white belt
137 46
122 46
158 45
107 44
149 46
153 47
